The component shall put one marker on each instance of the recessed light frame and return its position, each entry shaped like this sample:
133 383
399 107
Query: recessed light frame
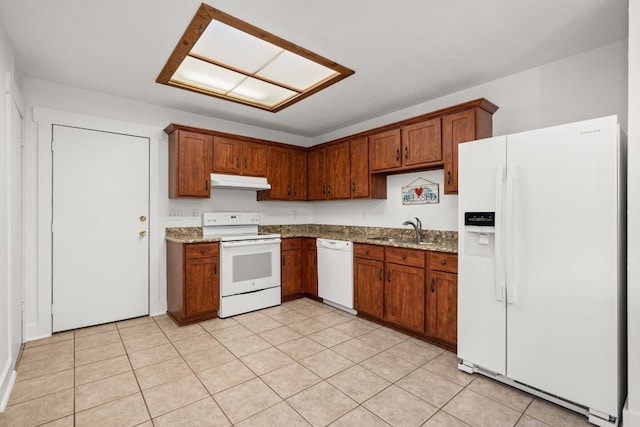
203 17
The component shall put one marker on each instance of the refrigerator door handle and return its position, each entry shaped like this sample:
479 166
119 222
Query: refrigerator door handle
509 227
499 254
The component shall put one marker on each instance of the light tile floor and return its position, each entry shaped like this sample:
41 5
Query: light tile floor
299 364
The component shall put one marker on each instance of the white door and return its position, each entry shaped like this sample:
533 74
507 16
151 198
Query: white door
562 330
17 278
100 227
481 293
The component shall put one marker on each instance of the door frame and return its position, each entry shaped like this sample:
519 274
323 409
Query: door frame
38 322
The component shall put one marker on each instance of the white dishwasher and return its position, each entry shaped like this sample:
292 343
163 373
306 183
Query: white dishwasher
335 273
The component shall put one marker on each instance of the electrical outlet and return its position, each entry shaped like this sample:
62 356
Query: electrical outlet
195 213
175 215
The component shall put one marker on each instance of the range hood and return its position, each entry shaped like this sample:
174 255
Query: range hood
237 182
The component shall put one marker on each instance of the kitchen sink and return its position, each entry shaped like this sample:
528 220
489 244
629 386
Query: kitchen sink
397 240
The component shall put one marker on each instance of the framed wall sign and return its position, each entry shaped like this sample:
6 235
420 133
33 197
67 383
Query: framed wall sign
420 191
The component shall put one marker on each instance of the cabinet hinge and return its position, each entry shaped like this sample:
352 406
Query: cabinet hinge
51 227
52 309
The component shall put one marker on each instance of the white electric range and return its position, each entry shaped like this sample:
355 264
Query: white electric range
249 262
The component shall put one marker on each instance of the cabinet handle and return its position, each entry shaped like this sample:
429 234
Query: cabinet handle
406 152
238 162
380 274
315 261
289 190
203 251
324 190
245 163
404 257
295 190
366 252
433 281
449 177
443 262
353 187
206 185
397 154
283 261
389 276
215 269
329 189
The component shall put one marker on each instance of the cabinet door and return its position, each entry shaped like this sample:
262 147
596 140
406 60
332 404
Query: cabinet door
280 173
384 150
456 128
442 306
255 159
190 165
368 286
226 155
317 168
310 271
299 175
404 297
201 293
291 271
338 171
359 167
422 143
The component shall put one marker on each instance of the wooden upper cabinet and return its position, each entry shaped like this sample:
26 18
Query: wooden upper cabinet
299 175
287 174
384 150
359 167
189 164
468 125
422 143
232 156
338 171
317 173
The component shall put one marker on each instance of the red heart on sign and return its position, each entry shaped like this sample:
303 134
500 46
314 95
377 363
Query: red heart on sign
418 191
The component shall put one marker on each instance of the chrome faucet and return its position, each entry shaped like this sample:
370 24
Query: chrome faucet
417 227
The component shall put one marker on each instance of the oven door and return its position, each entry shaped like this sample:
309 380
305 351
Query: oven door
249 265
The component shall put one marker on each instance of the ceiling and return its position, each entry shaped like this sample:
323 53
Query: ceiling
403 52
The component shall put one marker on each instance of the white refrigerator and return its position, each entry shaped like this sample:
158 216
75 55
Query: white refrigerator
542 264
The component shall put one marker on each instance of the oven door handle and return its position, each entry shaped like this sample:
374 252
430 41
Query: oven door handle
240 243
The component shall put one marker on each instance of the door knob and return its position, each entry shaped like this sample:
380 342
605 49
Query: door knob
143 218
143 233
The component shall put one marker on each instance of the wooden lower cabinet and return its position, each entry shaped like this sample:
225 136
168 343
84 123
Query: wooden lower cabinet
309 267
414 290
193 281
368 286
291 267
442 297
404 301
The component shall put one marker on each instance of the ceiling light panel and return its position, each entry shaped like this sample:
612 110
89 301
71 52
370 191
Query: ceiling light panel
237 49
296 71
224 57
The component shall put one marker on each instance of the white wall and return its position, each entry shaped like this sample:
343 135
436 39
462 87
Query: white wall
631 417
9 257
579 87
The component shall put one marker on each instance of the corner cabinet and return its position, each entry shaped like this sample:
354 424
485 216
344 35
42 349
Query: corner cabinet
193 281
309 267
190 158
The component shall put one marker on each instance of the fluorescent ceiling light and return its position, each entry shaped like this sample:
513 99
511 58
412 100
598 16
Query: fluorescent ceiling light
221 56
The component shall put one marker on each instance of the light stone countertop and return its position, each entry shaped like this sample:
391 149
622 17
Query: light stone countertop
436 240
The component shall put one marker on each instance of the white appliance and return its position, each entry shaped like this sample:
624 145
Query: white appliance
335 273
238 182
541 274
249 262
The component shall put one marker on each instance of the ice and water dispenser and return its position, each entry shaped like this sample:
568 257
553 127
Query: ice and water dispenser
480 233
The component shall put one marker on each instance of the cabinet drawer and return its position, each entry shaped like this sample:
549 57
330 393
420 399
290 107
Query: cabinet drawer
368 251
291 243
309 243
404 256
443 262
201 250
